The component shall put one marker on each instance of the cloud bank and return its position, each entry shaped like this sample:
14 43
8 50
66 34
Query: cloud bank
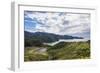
61 23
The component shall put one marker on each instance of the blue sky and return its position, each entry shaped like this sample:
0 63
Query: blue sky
61 23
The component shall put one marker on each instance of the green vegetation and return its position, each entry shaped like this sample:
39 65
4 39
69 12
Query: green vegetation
33 54
38 38
70 50
60 51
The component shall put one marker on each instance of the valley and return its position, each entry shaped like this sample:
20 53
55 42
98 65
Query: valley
60 51
41 46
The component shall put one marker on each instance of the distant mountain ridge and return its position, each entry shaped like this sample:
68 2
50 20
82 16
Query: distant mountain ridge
44 37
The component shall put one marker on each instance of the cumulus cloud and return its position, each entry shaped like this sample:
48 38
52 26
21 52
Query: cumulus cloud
61 23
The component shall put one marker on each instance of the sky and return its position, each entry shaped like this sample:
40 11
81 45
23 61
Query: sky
62 23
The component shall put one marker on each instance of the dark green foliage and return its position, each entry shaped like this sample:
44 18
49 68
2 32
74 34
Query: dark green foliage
42 37
27 42
33 42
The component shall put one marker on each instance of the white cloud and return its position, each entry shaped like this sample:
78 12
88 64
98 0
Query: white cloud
54 23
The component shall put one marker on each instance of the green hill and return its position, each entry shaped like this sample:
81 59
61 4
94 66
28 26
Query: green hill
60 51
70 50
